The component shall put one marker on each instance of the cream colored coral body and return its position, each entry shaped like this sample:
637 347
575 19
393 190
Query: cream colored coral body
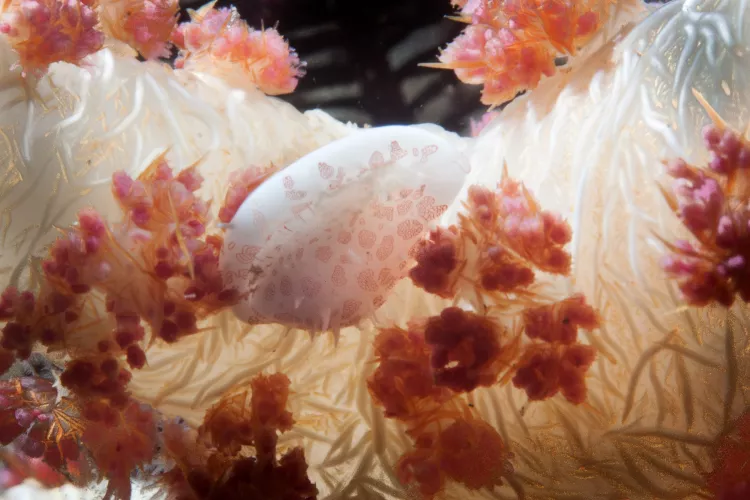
589 145
320 244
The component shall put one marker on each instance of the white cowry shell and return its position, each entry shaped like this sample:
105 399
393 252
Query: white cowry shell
320 244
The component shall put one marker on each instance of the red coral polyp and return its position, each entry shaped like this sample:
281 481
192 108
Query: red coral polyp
502 239
438 259
711 204
511 217
544 370
729 150
468 451
213 463
559 322
420 466
535 234
36 425
100 377
467 350
728 479
474 454
122 266
23 403
502 271
166 225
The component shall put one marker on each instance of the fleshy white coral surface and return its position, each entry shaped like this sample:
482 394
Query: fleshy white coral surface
63 140
589 143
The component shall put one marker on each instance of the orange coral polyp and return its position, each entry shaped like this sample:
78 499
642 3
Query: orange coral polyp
222 36
248 417
215 463
468 451
467 350
119 447
403 383
474 454
509 46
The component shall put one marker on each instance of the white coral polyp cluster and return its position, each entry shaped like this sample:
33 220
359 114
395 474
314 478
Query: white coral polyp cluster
588 143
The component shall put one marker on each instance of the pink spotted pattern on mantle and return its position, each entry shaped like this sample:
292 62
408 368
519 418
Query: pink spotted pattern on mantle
322 243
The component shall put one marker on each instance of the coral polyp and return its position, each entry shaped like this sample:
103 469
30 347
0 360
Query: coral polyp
712 203
234 299
218 38
44 32
209 462
509 46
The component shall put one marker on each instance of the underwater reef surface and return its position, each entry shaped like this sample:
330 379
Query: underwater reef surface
239 300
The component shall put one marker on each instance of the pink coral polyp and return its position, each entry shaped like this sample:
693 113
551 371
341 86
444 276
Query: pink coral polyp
509 46
222 36
712 205
145 25
48 31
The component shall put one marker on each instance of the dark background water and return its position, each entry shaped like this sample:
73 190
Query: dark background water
362 58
